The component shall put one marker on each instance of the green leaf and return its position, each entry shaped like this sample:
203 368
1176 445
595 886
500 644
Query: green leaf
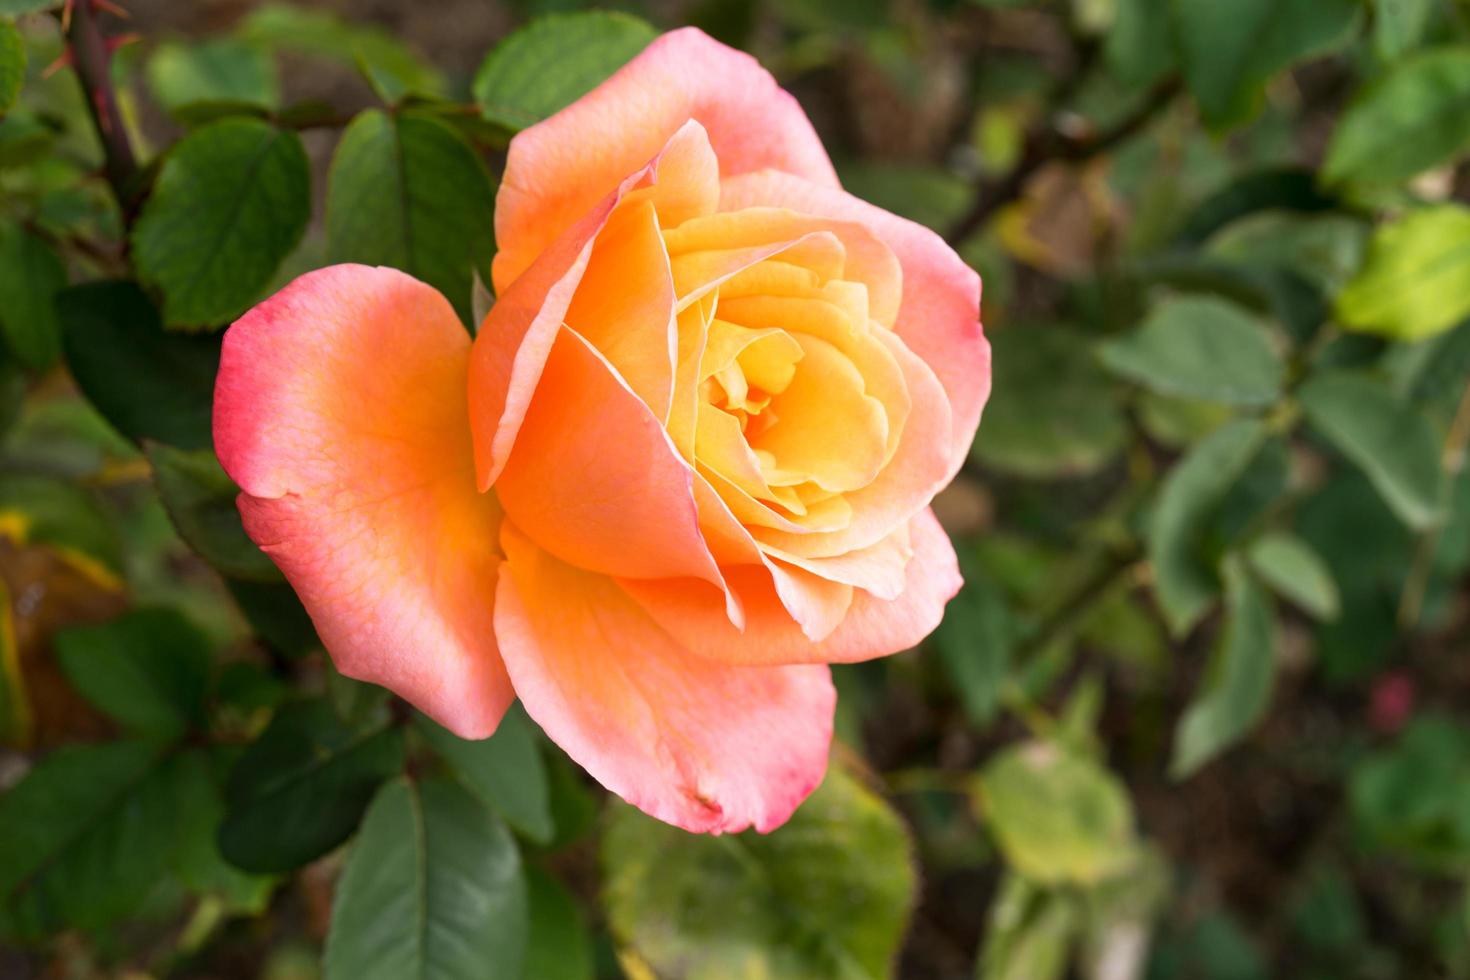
1057 815
932 196
301 788
200 499
1274 189
1139 49
505 770
148 383
1297 573
975 642
220 72
148 669
88 832
1406 123
553 61
407 191
197 860
43 510
383 59
1230 50
557 946
1201 348
1192 492
433 890
231 201
1237 688
12 65
1030 933
1052 412
277 616
1399 25
1393 443
30 277
1411 798
1415 282
826 895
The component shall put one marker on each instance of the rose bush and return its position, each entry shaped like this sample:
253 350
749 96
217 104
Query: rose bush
685 463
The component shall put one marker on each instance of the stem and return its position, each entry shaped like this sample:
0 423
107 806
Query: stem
1048 145
1411 602
92 62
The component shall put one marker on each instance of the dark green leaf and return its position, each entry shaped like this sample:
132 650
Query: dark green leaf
408 192
301 788
277 616
1192 492
30 277
1237 688
1139 48
1283 189
217 72
1230 50
87 833
1058 816
974 643
1389 440
1052 411
200 498
933 197
1297 573
197 860
1415 282
46 511
148 383
558 947
1200 348
433 890
504 770
1411 798
149 669
553 61
1405 124
12 65
826 895
231 201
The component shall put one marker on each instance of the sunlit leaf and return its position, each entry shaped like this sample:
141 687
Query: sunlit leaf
217 72
1058 816
1415 282
1296 573
1030 933
826 895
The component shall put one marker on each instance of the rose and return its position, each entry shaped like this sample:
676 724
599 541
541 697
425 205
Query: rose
686 463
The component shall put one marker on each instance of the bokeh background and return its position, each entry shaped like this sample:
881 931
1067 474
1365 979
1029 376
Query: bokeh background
1200 711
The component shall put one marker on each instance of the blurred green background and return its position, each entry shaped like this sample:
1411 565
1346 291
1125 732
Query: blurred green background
1198 714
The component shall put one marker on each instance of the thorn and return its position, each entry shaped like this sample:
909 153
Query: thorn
109 7
64 60
122 41
66 15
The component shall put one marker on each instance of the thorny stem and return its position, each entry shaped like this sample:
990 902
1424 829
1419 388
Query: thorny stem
1048 145
1411 602
92 61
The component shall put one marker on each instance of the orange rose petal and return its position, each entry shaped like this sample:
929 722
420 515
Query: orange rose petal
692 612
340 412
559 169
939 318
696 743
624 305
595 479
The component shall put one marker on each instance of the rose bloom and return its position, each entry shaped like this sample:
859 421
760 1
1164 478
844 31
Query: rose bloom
685 464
